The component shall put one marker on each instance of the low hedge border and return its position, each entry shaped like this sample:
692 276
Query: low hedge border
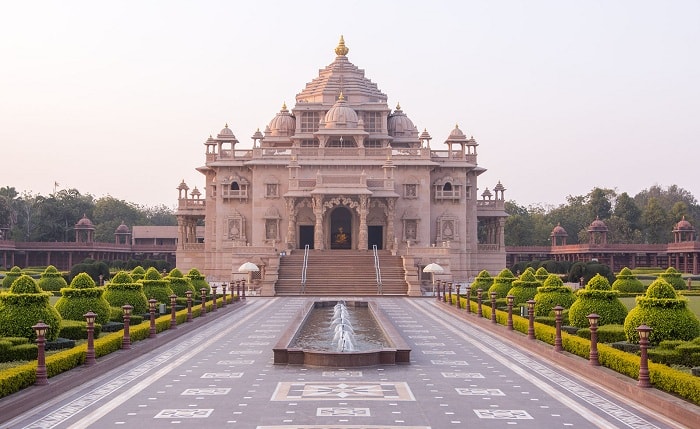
661 376
17 378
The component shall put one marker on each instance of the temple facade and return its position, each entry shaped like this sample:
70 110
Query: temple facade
341 170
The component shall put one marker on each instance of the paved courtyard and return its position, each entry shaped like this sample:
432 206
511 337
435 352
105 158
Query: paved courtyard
222 375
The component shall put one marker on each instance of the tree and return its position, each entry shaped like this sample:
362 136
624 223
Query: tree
599 203
657 228
574 217
110 213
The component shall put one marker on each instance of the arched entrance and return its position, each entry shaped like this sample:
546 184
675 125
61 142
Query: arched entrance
341 228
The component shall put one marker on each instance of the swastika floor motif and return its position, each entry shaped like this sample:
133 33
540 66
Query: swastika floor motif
503 414
207 391
342 412
467 375
478 391
378 391
222 375
187 413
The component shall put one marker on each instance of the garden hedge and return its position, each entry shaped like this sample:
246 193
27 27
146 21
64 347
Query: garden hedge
23 307
597 298
81 297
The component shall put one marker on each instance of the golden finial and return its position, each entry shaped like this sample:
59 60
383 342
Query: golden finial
398 106
284 106
341 50
226 126
341 97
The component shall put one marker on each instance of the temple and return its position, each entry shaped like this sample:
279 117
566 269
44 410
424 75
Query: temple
341 172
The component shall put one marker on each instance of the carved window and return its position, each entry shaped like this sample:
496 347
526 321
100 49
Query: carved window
373 122
410 190
309 122
271 190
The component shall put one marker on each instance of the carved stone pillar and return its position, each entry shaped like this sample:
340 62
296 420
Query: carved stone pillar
501 233
391 214
292 225
318 229
364 204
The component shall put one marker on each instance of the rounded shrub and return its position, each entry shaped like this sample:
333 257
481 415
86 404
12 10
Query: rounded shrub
627 282
199 281
23 307
10 276
599 298
137 273
82 296
482 281
552 293
52 280
665 312
122 290
525 287
502 283
673 278
155 287
541 274
179 283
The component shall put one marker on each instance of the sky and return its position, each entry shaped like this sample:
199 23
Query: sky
117 98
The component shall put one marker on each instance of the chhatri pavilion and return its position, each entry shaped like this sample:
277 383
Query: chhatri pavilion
341 173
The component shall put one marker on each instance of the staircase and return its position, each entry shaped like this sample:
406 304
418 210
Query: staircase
340 272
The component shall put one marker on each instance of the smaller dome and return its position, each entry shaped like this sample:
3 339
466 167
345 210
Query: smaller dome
84 223
182 186
597 225
425 135
500 187
399 125
684 225
457 133
226 134
283 124
487 194
122 229
341 115
559 231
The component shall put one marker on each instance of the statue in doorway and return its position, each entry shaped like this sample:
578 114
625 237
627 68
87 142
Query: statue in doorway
341 238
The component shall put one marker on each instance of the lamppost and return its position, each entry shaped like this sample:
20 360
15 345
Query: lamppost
223 289
173 317
203 294
213 298
243 288
459 304
449 291
439 297
189 305
90 355
479 312
468 305
493 307
593 321
40 329
152 312
509 300
238 289
444 291
531 319
557 323
644 332
126 339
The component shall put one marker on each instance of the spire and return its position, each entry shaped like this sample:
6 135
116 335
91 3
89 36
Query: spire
284 106
341 97
341 50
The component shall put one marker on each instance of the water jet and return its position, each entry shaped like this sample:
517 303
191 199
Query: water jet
338 333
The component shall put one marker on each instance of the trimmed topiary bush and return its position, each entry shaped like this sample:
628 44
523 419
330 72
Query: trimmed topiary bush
52 280
23 307
155 287
525 287
599 298
502 283
12 275
627 282
122 290
482 281
665 312
137 273
541 274
552 293
179 283
673 278
82 296
199 282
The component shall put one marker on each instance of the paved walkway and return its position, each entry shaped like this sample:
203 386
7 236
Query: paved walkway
221 375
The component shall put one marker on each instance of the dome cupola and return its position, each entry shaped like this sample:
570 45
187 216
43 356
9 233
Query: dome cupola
283 124
341 115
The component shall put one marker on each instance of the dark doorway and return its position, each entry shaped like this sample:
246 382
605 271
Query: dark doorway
306 236
375 235
341 228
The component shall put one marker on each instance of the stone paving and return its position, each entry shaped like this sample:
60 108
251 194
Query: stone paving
222 375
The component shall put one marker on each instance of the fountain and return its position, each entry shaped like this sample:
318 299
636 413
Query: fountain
341 334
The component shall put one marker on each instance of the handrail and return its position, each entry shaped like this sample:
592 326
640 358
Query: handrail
303 268
377 270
